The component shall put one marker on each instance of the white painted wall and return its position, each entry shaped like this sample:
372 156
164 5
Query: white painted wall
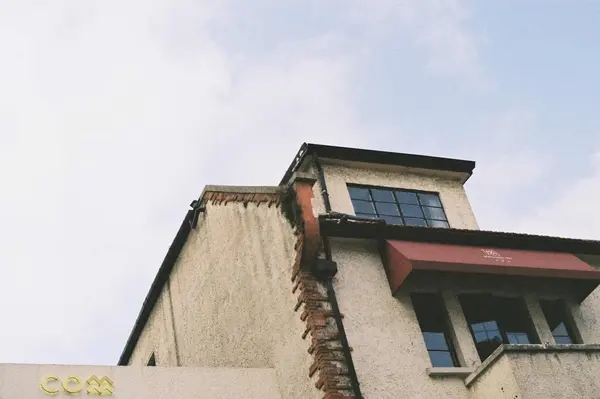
19 381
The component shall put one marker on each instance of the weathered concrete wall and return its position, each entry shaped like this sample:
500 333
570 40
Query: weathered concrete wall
24 381
232 298
524 373
500 383
388 349
158 336
452 193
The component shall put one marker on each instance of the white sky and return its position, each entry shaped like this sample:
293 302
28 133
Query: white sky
114 115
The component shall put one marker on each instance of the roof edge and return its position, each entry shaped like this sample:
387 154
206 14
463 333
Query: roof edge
348 226
160 279
379 157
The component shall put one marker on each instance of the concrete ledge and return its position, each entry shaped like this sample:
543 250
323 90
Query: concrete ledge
487 363
303 177
450 371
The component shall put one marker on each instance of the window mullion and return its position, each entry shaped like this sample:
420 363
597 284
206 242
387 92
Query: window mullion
399 207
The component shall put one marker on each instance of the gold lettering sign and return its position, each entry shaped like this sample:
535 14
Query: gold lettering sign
94 386
99 386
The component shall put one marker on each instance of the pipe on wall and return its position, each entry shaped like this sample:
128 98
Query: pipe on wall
331 292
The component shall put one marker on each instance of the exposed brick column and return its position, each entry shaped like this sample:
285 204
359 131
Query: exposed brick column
330 367
302 184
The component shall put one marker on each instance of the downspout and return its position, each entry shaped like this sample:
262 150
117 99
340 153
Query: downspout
324 192
331 292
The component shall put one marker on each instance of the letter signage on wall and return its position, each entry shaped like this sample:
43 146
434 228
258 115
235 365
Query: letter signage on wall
94 386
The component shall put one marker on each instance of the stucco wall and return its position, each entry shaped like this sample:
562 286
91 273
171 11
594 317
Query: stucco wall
232 298
452 193
158 336
388 349
499 383
547 373
23 381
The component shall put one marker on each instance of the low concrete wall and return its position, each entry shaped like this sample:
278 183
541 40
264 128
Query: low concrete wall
51 381
538 371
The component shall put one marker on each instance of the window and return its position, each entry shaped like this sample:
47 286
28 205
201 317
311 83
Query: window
561 325
152 360
433 321
398 206
496 320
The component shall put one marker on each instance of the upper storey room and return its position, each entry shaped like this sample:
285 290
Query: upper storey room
406 189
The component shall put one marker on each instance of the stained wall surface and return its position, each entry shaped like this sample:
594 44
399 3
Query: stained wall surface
541 374
231 298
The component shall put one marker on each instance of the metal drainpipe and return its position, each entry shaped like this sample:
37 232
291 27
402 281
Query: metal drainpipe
331 292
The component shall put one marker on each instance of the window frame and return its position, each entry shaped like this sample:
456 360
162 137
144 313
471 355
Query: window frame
530 328
398 205
447 328
569 321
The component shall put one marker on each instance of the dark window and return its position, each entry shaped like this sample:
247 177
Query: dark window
433 321
495 320
398 206
559 321
152 360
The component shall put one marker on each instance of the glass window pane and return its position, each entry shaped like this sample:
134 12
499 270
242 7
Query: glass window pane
430 200
406 197
441 359
435 340
411 211
433 321
561 329
366 215
523 339
386 208
363 207
512 338
494 335
490 325
359 193
480 336
561 324
517 338
438 223
434 213
563 340
382 195
415 222
392 219
501 319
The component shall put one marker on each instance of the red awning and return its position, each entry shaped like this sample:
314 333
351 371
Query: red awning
404 257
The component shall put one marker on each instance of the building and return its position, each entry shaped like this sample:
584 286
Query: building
364 274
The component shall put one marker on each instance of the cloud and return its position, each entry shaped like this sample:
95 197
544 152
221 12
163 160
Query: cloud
441 27
112 123
573 213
